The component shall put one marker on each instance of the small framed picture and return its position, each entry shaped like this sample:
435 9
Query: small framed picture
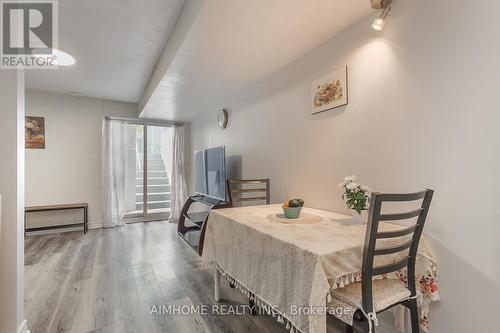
34 133
329 91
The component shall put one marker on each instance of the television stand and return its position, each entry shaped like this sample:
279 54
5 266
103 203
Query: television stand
191 226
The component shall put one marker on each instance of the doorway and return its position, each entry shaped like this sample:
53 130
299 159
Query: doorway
148 191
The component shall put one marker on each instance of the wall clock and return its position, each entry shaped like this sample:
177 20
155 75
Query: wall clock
223 118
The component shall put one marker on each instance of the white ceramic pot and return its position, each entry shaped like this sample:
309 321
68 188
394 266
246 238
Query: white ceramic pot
360 218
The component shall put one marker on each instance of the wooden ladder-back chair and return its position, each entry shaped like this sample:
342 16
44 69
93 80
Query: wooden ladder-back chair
244 191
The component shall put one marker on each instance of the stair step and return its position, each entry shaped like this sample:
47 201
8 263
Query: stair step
154 204
152 177
152 156
151 173
153 188
160 196
157 167
152 162
153 181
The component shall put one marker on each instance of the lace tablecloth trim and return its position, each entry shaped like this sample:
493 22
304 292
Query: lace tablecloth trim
258 301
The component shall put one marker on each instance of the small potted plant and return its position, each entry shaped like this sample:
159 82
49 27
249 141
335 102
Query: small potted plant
357 197
292 208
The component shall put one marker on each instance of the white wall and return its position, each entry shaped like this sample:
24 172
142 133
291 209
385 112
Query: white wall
423 112
12 201
68 170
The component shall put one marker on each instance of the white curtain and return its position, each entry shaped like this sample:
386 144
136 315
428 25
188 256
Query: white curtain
114 158
178 174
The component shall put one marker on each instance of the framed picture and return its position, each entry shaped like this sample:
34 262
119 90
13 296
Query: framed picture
34 133
329 91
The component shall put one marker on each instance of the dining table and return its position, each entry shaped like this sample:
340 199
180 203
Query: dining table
291 267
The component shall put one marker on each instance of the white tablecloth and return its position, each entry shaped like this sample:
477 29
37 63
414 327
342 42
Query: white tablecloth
292 267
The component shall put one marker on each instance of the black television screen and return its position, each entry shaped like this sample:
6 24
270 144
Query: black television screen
210 172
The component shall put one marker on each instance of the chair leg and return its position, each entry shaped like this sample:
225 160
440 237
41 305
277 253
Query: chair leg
349 328
415 319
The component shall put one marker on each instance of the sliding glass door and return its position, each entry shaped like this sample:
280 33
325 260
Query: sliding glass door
148 170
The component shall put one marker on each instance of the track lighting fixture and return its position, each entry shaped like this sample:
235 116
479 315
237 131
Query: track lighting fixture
384 6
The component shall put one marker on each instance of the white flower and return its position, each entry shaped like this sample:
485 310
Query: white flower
343 184
352 185
366 188
351 178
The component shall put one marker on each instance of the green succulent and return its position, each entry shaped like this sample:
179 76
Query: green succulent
296 203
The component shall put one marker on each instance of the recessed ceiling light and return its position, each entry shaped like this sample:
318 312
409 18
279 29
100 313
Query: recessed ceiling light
59 57
63 58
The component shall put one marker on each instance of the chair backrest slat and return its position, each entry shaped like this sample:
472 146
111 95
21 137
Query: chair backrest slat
247 190
384 269
397 233
395 249
247 181
372 234
395 197
400 216
243 191
249 199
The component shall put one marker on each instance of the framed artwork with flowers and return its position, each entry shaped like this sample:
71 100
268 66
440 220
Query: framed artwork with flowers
329 91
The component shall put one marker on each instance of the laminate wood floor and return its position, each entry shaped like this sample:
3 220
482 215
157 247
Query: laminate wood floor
109 279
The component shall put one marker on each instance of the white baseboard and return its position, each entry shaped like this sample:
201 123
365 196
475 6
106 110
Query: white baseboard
23 328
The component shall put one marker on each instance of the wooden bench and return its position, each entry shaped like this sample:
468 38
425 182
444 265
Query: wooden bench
35 209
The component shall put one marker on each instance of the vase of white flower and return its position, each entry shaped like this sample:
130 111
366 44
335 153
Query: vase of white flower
356 197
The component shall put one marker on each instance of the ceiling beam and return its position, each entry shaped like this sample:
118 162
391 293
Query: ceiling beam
188 15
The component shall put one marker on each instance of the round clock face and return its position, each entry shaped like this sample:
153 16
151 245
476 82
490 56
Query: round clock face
222 119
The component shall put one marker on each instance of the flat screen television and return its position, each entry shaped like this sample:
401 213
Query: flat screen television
200 180
210 172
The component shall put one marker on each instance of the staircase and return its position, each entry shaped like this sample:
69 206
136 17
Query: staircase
158 190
